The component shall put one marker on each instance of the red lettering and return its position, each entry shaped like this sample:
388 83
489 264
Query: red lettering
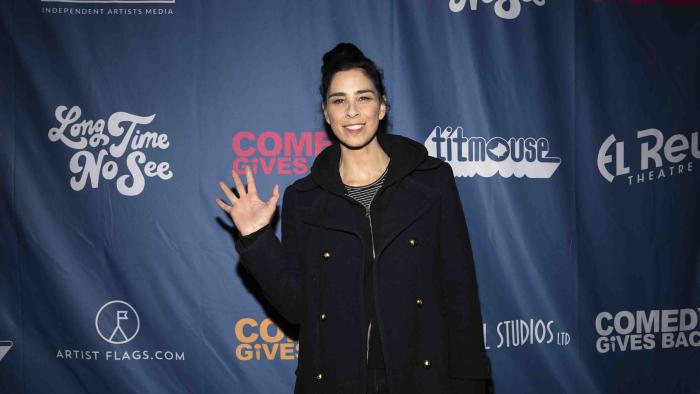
300 143
239 165
276 143
300 166
236 143
267 166
282 153
284 165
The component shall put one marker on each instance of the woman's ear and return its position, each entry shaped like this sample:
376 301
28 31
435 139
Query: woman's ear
382 108
325 113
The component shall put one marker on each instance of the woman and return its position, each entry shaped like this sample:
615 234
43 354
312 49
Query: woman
375 262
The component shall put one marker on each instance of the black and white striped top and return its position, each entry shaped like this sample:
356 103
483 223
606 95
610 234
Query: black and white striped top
365 194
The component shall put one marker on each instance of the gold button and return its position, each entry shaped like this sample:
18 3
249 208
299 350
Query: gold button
318 376
419 301
412 242
326 254
323 317
426 364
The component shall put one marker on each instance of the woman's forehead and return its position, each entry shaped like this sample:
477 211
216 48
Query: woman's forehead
351 81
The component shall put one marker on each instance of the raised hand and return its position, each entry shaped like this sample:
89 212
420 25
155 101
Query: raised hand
248 212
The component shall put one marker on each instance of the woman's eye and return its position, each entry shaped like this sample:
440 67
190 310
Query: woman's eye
362 98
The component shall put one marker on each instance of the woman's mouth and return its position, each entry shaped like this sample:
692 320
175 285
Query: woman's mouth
355 128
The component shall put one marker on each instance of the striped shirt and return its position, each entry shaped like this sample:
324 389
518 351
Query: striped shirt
365 194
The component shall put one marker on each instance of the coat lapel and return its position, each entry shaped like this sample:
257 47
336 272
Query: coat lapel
338 215
397 209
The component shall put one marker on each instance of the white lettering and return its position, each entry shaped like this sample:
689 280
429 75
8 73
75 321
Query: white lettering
92 165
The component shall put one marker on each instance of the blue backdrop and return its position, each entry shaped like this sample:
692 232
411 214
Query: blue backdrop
572 128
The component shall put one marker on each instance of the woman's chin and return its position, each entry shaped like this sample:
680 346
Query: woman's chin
356 141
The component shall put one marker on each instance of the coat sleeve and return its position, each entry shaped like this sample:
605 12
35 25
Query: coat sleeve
468 366
275 265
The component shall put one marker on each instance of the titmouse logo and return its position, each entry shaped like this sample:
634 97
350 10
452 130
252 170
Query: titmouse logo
471 156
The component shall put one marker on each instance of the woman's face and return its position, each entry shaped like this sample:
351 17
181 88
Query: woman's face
353 108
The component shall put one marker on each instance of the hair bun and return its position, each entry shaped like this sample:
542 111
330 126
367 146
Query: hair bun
343 52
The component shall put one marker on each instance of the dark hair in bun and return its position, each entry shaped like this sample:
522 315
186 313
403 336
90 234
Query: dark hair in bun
346 56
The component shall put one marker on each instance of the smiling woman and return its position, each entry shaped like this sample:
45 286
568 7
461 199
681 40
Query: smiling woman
375 263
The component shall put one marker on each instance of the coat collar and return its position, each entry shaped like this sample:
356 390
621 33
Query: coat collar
404 153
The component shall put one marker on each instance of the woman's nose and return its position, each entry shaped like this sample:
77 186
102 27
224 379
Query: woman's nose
351 111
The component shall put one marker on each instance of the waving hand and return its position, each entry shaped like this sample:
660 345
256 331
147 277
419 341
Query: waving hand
248 212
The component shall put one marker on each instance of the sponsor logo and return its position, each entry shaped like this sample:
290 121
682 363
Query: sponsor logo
5 347
470 156
647 329
263 341
114 320
112 149
118 323
527 332
108 7
506 9
272 152
659 157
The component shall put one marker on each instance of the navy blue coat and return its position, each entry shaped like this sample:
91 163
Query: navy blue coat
425 290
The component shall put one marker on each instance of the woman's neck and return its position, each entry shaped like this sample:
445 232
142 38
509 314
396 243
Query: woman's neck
362 166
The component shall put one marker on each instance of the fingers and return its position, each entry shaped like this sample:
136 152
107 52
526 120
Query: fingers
239 184
229 194
249 179
223 205
275 195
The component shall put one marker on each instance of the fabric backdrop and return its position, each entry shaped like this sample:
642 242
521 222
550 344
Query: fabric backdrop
571 126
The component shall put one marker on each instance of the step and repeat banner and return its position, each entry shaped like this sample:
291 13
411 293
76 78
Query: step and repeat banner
572 128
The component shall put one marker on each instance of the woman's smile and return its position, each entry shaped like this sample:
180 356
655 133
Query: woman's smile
355 128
